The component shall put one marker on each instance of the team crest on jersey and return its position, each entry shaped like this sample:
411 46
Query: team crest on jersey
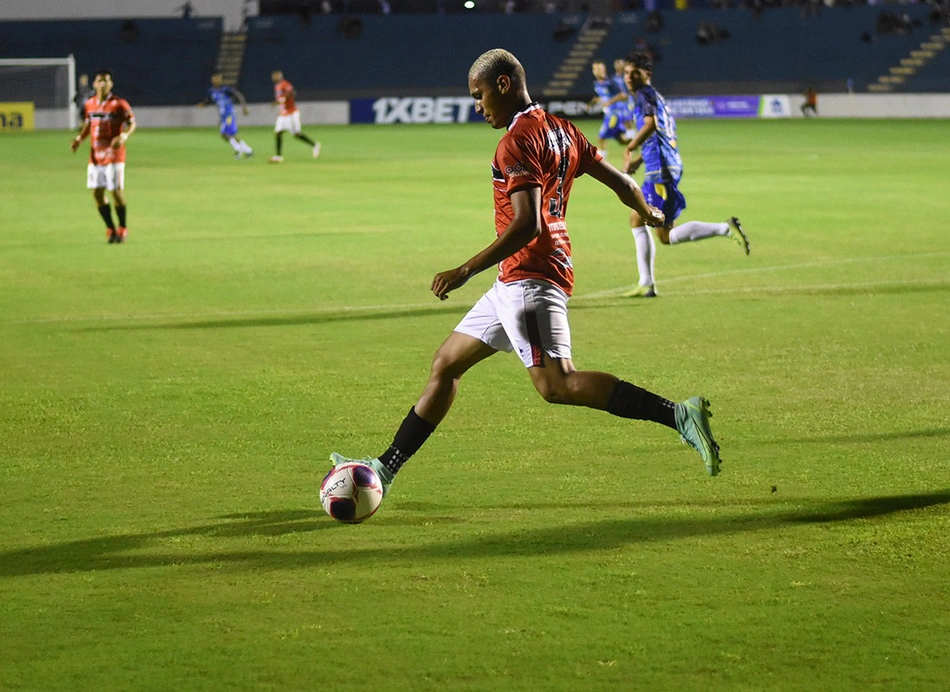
558 141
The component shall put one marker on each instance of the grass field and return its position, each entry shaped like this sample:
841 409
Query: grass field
167 407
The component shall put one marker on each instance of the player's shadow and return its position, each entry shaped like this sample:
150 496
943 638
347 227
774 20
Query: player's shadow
282 320
132 551
857 438
323 317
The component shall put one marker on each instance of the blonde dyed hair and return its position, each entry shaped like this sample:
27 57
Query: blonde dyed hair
496 62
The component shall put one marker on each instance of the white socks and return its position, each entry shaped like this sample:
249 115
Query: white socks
697 230
240 146
646 250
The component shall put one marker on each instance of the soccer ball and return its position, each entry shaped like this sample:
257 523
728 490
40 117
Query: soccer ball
351 493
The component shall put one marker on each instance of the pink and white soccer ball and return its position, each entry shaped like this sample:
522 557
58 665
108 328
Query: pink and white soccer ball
351 493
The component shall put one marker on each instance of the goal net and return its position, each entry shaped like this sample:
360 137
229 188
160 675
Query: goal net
48 83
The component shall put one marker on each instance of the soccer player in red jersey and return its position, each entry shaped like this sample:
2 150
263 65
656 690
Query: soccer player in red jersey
109 123
289 118
533 172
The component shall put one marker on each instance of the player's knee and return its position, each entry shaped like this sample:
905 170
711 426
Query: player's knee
444 366
553 392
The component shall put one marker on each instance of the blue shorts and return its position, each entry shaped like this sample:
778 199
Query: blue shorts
229 126
667 198
612 127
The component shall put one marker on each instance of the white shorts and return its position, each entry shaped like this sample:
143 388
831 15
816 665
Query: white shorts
528 315
288 122
111 176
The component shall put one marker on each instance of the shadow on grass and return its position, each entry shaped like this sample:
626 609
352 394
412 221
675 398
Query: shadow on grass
320 317
119 552
858 438
283 320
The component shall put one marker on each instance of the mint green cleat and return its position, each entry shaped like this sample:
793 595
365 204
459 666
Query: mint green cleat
737 234
640 292
384 475
692 421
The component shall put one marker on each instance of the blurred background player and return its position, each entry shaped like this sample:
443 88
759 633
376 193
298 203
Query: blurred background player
655 136
289 117
612 100
83 93
223 97
811 102
109 123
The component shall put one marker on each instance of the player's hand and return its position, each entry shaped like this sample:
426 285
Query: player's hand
74 145
653 217
118 141
447 281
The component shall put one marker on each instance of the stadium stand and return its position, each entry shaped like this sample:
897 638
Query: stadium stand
780 50
368 54
155 61
358 55
928 67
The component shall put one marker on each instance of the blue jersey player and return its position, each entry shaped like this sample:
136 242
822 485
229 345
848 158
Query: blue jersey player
612 99
655 137
223 97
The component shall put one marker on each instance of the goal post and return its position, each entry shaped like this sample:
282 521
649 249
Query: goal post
49 84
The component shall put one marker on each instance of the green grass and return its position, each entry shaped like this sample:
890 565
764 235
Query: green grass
167 408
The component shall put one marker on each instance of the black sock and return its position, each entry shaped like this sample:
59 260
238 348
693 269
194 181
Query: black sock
630 401
105 211
120 212
280 141
411 435
306 139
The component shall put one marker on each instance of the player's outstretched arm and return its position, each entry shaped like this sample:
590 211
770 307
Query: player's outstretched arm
626 190
77 140
241 100
632 162
524 227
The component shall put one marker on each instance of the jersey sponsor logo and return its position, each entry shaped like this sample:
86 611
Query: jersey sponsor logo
106 115
414 110
516 171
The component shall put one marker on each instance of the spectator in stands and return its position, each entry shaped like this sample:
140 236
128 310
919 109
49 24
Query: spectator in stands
811 102
186 10
655 137
109 123
654 23
129 32
708 33
223 97
892 23
289 118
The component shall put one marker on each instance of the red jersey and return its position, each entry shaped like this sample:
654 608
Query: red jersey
106 119
540 150
284 95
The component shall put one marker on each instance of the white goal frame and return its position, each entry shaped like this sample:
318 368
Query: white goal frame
72 116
